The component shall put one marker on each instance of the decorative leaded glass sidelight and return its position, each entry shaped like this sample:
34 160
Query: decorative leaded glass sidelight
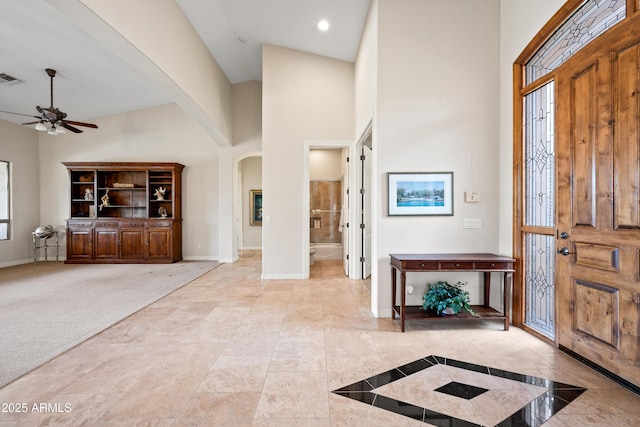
539 157
591 19
540 298
588 22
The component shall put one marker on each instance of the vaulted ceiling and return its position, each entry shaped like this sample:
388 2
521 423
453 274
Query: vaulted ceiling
92 81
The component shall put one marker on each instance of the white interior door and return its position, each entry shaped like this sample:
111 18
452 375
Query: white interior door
364 208
366 213
344 213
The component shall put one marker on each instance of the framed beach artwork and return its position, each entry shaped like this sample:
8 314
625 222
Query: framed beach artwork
420 193
255 207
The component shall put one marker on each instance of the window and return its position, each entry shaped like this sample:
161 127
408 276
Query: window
587 23
4 200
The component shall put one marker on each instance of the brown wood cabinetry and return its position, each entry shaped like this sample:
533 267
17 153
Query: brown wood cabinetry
139 220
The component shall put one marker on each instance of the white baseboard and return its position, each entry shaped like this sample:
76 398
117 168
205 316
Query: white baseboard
383 313
17 262
201 258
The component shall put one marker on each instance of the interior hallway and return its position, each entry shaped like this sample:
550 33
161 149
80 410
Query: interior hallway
229 349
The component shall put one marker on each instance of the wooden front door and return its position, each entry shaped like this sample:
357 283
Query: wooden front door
598 210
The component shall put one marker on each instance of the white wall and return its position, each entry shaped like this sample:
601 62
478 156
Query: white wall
520 21
366 99
19 146
160 134
437 110
366 72
305 98
325 164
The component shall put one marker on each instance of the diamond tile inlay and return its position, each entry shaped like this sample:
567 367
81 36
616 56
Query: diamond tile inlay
547 397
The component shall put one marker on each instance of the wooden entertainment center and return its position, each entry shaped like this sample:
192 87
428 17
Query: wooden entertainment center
124 212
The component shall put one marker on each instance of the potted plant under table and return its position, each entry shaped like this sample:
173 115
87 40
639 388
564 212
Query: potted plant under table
445 298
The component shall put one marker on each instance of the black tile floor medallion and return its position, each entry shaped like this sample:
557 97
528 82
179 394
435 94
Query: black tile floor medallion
463 391
551 397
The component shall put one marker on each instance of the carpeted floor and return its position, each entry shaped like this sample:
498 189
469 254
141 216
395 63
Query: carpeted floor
49 308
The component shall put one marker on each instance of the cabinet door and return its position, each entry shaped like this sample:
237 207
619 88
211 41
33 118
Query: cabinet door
106 243
159 243
131 243
79 243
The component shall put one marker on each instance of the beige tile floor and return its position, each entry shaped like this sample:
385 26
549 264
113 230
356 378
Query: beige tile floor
230 349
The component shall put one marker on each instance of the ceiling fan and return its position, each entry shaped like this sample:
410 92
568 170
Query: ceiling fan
53 117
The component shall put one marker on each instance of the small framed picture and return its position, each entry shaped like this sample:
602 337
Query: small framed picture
255 207
420 193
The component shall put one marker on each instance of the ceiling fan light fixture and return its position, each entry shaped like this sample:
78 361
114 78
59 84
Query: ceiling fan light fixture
41 127
52 131
60 130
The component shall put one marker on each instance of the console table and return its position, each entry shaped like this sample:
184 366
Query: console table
481 262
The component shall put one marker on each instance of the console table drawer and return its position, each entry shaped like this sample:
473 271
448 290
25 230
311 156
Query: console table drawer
461 265
420 265
493 266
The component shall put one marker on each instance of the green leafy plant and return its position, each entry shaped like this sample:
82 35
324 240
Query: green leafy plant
441 295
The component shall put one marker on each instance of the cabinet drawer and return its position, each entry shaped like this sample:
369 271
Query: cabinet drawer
420 265
159 224
456 265
133 224
80 224
492 266
106 224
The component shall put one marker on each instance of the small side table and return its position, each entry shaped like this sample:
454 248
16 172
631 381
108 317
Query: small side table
44 244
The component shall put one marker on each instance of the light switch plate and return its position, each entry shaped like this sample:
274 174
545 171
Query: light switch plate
472 223
471 196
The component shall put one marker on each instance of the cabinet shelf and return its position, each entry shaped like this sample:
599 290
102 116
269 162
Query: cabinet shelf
124 206
122 189
130 229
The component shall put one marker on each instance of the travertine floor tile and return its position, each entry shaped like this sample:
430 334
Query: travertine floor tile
230 349
294 395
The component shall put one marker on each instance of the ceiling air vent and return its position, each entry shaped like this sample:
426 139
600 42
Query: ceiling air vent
7 80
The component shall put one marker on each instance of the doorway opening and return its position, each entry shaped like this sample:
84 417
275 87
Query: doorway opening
328 185
249 177
327 162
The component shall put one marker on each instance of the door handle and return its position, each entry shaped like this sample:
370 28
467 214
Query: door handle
564 235
563 251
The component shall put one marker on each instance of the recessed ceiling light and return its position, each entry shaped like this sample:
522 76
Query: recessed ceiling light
323 25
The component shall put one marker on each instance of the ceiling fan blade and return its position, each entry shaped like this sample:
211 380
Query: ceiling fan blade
19 114
66 125
31 123
89 125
